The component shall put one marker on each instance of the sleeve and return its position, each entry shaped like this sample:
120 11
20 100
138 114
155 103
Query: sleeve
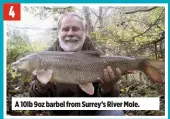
114 92
41 90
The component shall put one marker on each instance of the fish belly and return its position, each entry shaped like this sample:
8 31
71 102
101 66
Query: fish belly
76 76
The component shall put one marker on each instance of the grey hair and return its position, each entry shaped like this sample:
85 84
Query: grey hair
72 14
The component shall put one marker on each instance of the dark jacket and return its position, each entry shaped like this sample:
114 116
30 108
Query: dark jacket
68 90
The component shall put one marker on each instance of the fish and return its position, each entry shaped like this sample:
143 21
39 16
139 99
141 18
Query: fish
84 67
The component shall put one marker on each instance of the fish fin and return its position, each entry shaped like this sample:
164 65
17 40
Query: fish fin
44 76
91 52
34 72
152 68
157 64
88 88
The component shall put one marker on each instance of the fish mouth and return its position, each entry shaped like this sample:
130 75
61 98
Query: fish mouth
14 69
13 66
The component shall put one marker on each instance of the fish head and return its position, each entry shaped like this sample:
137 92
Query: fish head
26 64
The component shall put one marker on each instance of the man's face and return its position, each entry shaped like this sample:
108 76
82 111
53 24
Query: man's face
72 33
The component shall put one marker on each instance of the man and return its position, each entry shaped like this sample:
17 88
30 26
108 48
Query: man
73 36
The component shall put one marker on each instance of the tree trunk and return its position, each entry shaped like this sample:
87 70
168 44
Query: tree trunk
86 12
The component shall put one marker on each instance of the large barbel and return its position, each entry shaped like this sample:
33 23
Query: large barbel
83 67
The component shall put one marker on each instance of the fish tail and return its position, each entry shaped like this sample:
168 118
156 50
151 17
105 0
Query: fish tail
152 69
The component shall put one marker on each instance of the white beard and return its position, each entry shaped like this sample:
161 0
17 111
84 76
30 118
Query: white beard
69 46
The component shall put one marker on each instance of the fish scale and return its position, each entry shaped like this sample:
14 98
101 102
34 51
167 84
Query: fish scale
83 68
82 62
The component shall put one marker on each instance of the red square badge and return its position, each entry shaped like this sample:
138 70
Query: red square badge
12 11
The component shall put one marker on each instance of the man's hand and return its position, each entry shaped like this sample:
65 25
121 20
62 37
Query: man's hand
109 79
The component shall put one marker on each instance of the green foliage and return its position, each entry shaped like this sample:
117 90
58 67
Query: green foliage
37 46
17 47
156 14
130 33
10 73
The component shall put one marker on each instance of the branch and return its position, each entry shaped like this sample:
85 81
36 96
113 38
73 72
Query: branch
133 38
153 42
95 23
106 10
146 10
94 13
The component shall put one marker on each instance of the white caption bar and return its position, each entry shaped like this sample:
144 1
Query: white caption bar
151 103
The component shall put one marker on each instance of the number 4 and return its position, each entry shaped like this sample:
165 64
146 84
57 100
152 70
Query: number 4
11 12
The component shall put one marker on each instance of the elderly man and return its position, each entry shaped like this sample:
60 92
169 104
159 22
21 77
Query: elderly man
73 36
